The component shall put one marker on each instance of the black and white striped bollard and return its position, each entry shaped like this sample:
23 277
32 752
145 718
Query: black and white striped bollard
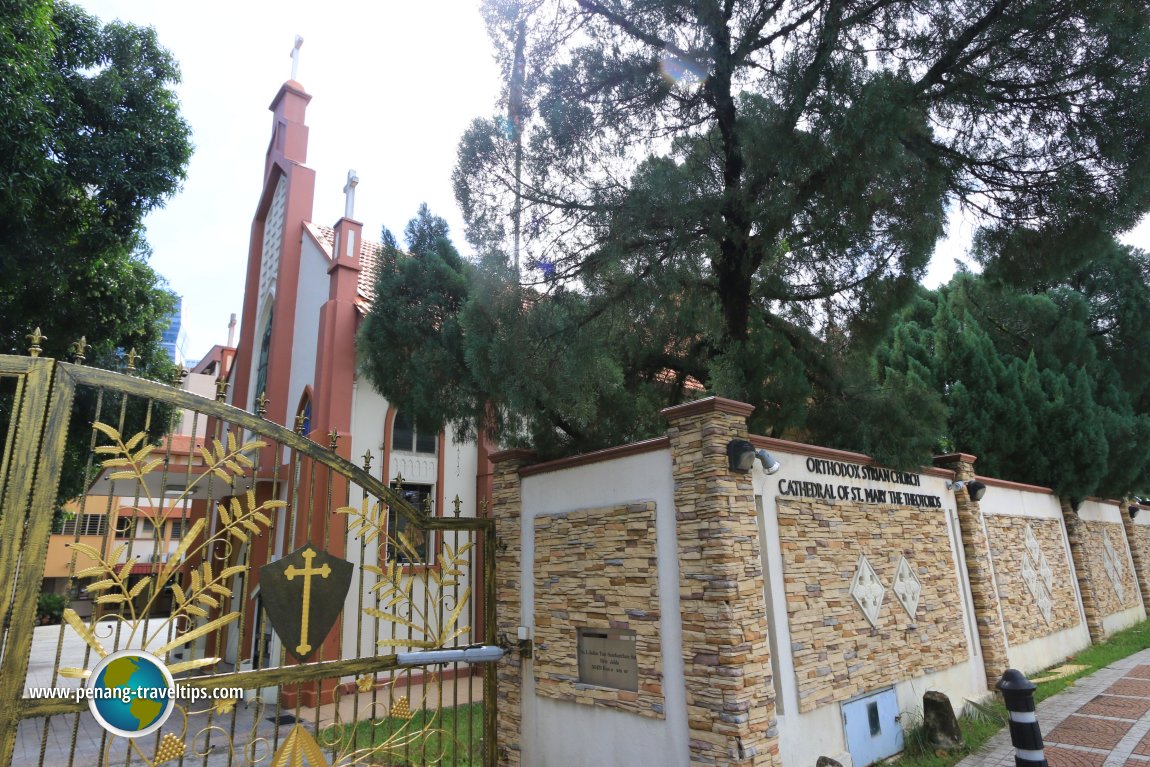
1025 735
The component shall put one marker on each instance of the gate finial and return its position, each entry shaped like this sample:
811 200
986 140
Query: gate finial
262 404
35 337
131 360
457 503
367 460
78 348
300 423
333 438
221 389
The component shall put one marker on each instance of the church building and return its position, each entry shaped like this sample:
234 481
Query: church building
308 287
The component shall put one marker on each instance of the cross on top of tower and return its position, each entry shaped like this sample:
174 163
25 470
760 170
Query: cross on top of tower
295 57
349 194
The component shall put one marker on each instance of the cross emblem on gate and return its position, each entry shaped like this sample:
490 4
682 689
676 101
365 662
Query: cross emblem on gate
303 594
306 572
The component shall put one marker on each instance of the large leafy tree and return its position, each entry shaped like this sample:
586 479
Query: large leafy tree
90 140
764 182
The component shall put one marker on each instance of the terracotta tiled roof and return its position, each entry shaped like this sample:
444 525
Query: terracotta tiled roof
369 255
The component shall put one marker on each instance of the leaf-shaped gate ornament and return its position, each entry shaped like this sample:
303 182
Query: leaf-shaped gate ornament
303 594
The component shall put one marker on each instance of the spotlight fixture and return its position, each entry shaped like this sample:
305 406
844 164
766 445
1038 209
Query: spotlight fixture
1132 511
770 465
740 456
974 488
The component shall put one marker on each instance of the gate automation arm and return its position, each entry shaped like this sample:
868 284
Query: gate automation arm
476 654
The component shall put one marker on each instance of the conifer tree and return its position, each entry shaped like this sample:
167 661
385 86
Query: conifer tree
1035 382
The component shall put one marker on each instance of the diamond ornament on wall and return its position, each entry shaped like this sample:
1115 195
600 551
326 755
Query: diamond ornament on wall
1045 604
867 591
907 587
1045 572
1032 543
1029 574
1113 565
1037 575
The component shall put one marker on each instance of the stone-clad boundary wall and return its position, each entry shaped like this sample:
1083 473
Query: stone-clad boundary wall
1138 538
1108 566
837 653
596 568
1022 588
1117 590
761 603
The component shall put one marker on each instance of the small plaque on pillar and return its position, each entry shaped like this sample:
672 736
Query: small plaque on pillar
607 659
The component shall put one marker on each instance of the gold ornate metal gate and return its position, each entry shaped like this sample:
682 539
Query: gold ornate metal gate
351 626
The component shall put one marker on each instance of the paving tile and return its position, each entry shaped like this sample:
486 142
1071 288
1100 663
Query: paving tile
1143 747
1078 730
1067 757
1141 672
1113 705
1130 686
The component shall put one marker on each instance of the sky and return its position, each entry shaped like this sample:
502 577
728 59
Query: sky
393 86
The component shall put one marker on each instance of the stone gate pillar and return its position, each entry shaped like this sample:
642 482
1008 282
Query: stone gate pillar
979 569
506 509
726 651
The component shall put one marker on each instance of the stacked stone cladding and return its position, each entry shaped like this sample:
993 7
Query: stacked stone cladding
726 648
1076 534
1108 600
837 653
597 568
1138 537
506 507
1024 621
979 570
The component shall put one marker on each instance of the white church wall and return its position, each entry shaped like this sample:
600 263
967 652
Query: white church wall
311 295
560 733
369 416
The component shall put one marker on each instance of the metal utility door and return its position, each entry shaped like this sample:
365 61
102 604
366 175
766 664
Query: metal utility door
872 729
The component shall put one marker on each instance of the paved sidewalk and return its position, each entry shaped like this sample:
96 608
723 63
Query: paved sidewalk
1102 720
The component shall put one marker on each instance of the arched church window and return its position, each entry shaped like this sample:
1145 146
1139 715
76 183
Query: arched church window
405 436
265 345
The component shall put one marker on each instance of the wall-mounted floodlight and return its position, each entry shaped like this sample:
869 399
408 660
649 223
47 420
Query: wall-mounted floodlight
740 456
974 488
1132 511
770 465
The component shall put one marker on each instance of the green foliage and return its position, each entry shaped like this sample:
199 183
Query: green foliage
777 179
980 721
498 373
1039 383
451 736
49 605
90 141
